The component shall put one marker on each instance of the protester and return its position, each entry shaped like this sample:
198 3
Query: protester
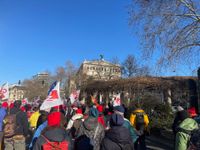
118 137
120 110
15 138
34 118
140 121
42 118
75 122
3 112
183 131
192 112
54 135
92 131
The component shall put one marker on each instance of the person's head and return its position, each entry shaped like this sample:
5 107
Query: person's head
17 104
4 105
56 119
93 112
182 115
79 111
192 112
116 120
119 110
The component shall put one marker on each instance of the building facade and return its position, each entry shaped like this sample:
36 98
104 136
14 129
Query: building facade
16 92
98 70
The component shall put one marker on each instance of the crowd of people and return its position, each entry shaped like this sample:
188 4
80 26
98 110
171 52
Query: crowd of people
71 127
82 127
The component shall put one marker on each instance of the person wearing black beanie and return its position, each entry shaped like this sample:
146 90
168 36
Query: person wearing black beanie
117 137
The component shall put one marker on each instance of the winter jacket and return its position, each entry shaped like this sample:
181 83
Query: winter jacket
89 127
133 117
22 121
37 134
33 119
117 137
3 113
74 124
53 135
183 138
131 129
75 117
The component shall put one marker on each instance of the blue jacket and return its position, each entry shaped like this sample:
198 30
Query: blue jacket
37 134
3 113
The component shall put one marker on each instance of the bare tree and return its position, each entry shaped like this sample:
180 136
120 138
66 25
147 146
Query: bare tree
115 60
170 29
129 66
143 71
35 88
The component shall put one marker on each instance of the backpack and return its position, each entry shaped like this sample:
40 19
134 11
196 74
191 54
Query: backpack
64 145
194 137
83 142
139 120
10 125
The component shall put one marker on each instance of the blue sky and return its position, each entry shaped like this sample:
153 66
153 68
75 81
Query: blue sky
38 35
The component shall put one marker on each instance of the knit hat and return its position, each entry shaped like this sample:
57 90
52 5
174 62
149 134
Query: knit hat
116 120
192 112
54 119
79 111
100 108
93 112
4 105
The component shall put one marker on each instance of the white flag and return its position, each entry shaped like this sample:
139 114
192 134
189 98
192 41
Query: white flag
74 96
53 98
117 100
4 92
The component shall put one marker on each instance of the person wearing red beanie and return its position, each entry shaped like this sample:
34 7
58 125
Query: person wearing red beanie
79 111
192 112
54 119
54 133
4 105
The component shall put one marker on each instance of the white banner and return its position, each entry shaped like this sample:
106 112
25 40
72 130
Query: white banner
116 100
53 98
74 96
4 92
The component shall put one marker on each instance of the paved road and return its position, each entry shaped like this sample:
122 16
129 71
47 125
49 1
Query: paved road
157 143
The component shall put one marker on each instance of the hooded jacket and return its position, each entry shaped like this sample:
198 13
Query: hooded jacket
133 117
22 120
115 137
34 118
89 127
53 135
183 138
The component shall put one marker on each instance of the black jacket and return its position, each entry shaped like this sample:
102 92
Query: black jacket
22 121
116 138
54 135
